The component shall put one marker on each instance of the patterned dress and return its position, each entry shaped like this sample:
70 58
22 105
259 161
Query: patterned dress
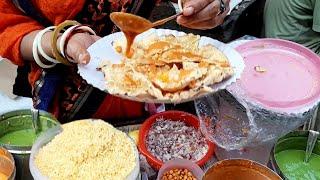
63 92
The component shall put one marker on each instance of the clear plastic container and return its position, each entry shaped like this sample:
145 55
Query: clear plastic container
183 164
46 137
41 141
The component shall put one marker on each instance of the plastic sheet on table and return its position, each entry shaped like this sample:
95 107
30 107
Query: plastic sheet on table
234 123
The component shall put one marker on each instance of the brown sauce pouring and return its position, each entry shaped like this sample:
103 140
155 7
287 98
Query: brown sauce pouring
132 25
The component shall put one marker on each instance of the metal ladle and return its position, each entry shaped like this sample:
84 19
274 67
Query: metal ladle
312 139
133 23
35 120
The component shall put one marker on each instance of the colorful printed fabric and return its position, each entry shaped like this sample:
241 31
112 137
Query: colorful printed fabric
61 90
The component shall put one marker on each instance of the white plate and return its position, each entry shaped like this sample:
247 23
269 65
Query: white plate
103 50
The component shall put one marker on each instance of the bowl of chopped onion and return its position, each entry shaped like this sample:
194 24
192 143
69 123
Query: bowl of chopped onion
173 135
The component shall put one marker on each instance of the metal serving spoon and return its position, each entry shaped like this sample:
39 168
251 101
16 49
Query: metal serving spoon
132 25
312 139
35 120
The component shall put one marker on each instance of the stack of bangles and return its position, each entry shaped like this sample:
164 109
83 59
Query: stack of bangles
69 28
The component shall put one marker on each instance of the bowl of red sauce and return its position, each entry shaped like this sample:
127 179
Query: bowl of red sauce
173 135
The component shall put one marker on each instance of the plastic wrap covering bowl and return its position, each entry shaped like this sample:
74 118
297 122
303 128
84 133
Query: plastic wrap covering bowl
234 124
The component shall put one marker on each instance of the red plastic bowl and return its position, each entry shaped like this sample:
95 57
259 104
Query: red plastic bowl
189 119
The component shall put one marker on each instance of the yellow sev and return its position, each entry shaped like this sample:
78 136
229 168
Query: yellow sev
87 150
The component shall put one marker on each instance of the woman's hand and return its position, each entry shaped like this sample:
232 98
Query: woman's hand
78 45
203 14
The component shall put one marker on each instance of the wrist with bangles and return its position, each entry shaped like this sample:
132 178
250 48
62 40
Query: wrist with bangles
63 32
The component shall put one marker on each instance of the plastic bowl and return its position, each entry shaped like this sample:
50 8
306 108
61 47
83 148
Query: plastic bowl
181 164
46 137
41 141
189 119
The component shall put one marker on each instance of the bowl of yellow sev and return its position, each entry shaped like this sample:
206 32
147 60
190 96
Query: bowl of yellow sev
84 149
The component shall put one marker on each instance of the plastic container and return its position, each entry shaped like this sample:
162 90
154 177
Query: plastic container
48 136
41 141
181 164
276 94
238 169
189 119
